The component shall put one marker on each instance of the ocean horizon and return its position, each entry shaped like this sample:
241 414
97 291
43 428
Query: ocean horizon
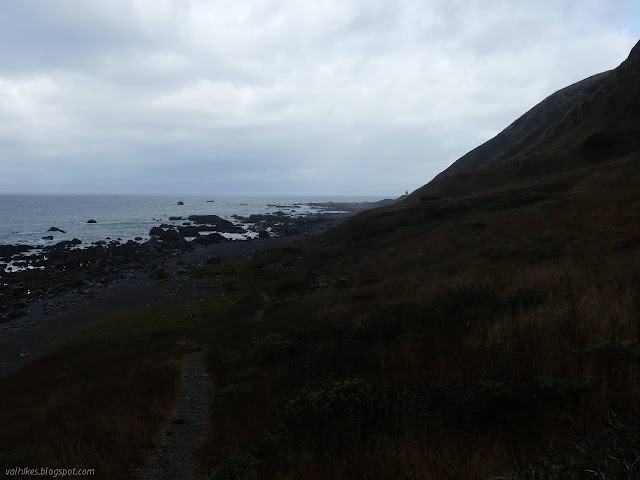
27 218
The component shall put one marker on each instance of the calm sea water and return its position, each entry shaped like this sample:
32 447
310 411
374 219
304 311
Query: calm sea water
25 219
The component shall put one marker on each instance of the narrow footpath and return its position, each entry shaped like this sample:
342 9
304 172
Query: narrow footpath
186 432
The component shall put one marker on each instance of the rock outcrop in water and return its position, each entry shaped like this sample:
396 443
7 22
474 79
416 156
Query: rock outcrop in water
218 224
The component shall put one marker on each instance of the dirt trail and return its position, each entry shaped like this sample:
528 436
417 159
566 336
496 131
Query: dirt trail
186 432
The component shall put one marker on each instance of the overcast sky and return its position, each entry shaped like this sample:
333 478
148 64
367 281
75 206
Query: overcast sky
274 96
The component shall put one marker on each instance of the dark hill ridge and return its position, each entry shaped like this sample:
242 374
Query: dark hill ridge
576 124
613 109
526 129
569 143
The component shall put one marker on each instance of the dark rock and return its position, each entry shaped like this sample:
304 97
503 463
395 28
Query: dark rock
181 203
170 236
175 218
270 218
283 224
56 229
206 228
214 260
217 224
7 251
209 201
264 234
209 219
91 221
285 230
48 237
67 243
189 231
138 238
210 239
158 273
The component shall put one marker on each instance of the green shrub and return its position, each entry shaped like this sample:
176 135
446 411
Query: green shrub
238 467
232 357
277 346
345 410
612 453
482 401
555 389
611 349
232 394
324 282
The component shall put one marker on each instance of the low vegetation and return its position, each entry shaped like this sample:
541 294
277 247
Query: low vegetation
484 343
100 398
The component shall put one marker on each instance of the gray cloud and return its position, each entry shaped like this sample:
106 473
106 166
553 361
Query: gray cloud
362 97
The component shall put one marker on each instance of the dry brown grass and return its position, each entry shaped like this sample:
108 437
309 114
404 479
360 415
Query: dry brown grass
491 329
100 399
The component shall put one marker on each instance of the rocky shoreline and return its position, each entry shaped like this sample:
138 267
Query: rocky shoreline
69 284
56 277
59 274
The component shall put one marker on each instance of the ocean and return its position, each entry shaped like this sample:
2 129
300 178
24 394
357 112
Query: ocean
25 219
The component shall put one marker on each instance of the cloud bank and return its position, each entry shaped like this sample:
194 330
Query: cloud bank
264 96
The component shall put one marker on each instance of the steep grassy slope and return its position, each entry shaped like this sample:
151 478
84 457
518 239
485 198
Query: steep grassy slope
596 119
526 129
448 339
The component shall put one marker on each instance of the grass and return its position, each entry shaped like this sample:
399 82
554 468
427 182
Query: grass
91 406
452 339
382 364
100 397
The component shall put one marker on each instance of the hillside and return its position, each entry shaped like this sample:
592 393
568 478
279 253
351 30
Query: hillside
526 130
584 123
485 326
